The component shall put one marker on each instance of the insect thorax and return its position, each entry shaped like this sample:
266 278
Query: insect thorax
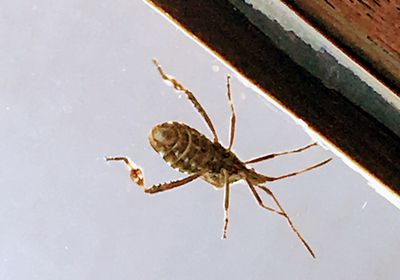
189 151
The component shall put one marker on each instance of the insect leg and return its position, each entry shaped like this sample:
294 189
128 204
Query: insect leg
233 116
269 192
190 96
226 204
270 179
135 173
281 153
259 200
137 176
171 185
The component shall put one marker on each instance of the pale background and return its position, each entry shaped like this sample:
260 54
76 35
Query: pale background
77 83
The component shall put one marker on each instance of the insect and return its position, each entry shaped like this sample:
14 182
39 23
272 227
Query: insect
189 151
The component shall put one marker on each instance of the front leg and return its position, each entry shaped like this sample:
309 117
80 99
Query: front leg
136 174
171 185
137 177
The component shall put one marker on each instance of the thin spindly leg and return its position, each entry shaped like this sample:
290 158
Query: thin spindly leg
280 154
190 95
269 192
233 116
171 185
137 176
270 179
226 205
259 200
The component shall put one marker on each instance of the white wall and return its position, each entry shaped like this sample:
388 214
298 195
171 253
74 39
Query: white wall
77 83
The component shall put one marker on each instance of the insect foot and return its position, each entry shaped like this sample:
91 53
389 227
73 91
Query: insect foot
136 174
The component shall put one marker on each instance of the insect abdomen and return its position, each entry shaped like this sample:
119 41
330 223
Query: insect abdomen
182 147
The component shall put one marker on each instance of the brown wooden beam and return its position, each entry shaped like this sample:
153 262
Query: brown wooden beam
368 30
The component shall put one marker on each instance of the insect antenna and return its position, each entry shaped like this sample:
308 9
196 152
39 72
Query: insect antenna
233 113
177 86
270 179
270 156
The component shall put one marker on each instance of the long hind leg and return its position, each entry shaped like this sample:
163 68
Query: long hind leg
259 200
269 192
190 96
282 212
137 176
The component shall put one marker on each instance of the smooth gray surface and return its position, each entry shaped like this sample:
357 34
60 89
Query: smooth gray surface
77 83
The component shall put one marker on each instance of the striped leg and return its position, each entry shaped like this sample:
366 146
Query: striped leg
137 176
190 96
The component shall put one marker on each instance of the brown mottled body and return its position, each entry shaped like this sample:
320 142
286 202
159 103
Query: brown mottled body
190 152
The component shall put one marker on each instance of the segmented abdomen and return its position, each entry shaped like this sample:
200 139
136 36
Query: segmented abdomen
189 151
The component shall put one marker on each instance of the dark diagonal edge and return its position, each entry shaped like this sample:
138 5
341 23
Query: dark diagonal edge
227 32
